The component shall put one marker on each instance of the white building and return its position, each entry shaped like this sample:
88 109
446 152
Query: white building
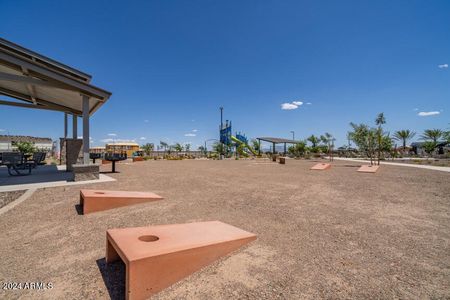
9 142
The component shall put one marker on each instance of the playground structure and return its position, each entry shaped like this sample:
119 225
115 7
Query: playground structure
230 141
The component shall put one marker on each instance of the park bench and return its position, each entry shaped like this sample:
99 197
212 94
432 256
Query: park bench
14 161
38 159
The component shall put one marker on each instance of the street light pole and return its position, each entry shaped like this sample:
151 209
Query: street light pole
293 135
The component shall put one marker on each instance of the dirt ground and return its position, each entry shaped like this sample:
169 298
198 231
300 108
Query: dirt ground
8 197
321 234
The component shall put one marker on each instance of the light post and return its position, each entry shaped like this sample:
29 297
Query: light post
293 135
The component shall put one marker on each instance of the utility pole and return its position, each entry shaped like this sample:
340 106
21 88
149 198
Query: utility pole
293 135
221 127
221 117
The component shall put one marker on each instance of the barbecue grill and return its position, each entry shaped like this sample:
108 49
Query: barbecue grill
95 156
113 157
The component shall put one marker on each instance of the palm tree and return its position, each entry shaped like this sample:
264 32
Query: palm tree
432 134
164 145
314 140
328 140
404 135
380 120
178 147
187 147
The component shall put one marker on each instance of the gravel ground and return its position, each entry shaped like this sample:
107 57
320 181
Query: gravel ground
321 234
8 197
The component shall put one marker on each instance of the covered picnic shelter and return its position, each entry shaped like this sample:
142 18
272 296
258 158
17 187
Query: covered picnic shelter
274 142
39 82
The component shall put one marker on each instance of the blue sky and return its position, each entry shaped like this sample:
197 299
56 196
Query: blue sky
171 64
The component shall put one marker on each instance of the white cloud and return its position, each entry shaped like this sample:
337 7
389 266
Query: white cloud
142 138
428 113
288 106
145 121
292 105
194 130
415 109
190 134
308 103
117 141
112 134
443 66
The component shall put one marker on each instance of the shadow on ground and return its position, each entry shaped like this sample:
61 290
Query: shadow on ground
79 209
114 277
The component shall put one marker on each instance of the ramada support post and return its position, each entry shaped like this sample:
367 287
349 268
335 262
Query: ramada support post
65 125
74 127
85 129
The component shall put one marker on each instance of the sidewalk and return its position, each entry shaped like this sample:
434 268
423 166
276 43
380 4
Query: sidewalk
435 168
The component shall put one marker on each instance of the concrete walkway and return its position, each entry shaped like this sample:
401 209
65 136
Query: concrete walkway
435 168
42 177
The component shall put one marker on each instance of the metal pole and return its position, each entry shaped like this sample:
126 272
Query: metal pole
293 135
221 117
85 129
74 127
65 125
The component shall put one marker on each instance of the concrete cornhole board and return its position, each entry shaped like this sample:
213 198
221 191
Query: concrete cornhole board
98 200
321 166
368 169
158 256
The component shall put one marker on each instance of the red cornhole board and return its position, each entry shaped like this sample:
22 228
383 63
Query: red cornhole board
158 256
98 200
368 168
321 166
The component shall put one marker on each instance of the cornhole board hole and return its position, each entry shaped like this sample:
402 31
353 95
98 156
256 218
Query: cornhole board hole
158 256
321 166
368 169
98 200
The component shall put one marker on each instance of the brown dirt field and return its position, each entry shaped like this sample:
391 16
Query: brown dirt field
321 234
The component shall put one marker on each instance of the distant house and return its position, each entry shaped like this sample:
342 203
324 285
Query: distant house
100 150
441 148
9 142
128 148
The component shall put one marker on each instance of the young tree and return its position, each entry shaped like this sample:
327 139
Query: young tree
404 136
432 134
26 147
219 147
202 149
148 148
380 120
298 149
187 147
178 147
364 138
255 145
